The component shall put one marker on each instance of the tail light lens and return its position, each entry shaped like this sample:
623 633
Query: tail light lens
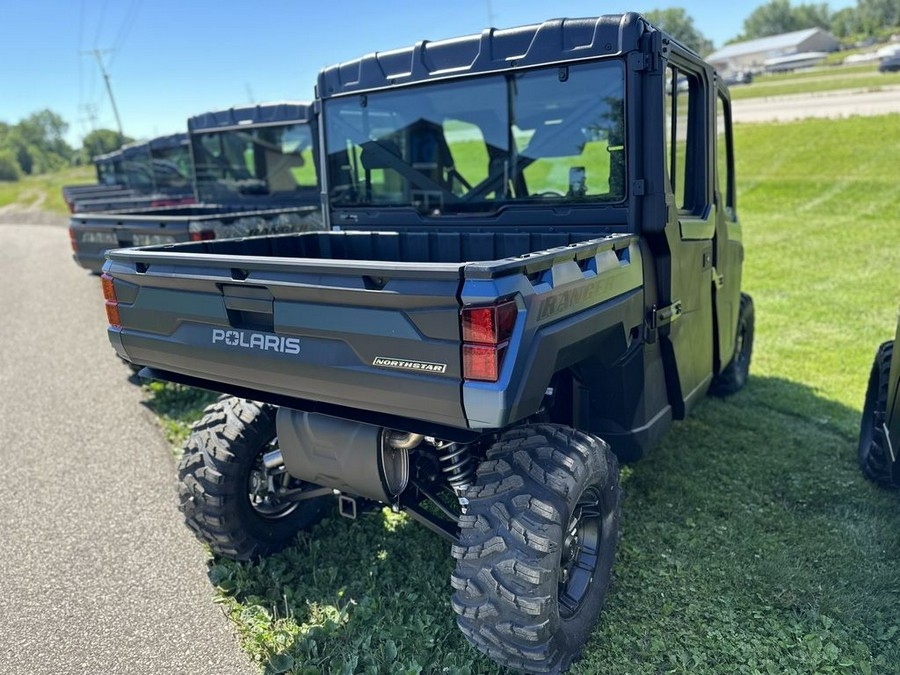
73 239
112 303
203 235
486 332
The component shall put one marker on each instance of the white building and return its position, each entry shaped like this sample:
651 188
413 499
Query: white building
753 54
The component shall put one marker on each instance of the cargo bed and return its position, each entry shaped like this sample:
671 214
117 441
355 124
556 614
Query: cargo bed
93 234
365 321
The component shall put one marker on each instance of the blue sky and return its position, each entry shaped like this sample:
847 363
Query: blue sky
177 58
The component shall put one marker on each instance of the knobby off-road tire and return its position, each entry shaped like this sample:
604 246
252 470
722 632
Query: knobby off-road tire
734 376
527 593
873 453
221 457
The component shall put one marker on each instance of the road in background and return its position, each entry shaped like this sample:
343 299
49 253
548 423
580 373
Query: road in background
97 572
843 103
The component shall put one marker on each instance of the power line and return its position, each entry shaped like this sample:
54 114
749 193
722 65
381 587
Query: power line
100 23
125 29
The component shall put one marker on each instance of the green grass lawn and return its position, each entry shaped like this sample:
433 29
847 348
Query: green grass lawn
46 189
813 83
750 541
820 72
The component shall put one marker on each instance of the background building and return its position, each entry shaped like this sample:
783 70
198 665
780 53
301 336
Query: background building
753 54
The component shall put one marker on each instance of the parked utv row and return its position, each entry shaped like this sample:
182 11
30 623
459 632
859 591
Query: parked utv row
155 173
530 266
253 172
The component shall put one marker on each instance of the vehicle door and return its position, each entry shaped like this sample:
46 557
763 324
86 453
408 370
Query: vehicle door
688 338
728 252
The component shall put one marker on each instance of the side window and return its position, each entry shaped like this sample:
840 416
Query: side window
684 132
724 153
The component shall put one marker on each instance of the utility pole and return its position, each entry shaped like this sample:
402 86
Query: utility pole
98 54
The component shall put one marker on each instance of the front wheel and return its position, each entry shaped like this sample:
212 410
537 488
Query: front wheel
873 455
229 497
537 545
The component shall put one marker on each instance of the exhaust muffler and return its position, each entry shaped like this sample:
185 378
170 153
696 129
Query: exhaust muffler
360 459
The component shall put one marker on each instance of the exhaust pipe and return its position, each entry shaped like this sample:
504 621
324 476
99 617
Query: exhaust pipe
403 441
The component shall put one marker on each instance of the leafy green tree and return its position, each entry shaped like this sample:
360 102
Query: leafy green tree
876 15
37 143
46 131
101 141
777 17
812 16
9 167
680 25
847 22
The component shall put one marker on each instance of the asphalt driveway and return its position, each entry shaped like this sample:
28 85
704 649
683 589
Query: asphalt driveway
97 572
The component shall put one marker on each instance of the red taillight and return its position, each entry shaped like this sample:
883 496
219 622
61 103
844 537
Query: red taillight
489 325
482 362
109 289
73 239
112 303
203 235
486 332
112 314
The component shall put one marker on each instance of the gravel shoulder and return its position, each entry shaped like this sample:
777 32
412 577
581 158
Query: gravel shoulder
99 574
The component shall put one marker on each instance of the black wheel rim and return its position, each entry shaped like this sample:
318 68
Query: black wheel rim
580 553
264 485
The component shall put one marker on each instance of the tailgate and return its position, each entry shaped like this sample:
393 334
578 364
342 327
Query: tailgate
371 336
93 235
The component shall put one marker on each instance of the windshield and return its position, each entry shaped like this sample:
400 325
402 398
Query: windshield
546 135
254 162
137 174
172 168
106 172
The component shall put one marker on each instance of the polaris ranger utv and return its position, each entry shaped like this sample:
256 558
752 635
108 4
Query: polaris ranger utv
152 173
254 172
110 181
879 435
532 266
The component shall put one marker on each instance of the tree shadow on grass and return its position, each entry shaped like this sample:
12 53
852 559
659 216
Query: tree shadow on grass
750 543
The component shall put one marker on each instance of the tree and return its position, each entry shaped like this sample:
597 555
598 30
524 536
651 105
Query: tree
777 17
46 131
812 16
846 22
37 142
878 14
9 167
101 141
680 25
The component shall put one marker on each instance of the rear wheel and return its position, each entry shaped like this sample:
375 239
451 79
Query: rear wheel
229 497
734 376
873 453
537 545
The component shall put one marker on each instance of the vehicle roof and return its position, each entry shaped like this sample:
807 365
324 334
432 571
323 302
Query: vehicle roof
108 156
252 115
170 141
553 41
132 150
